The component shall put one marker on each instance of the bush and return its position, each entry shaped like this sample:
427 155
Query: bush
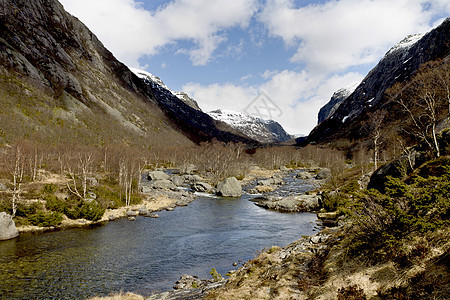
45 219
351 292
49 189
420 205
53 203
90 211
215 275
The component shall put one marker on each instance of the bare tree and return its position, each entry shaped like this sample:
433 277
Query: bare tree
424 100
375 126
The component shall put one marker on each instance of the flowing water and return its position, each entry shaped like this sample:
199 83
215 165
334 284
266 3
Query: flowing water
147 255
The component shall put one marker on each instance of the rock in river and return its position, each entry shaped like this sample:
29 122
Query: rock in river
230 187
300 203
157 175
202 187
8 228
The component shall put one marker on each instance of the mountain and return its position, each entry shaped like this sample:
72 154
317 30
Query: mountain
155 81
338 97
399 64
58 83
263 131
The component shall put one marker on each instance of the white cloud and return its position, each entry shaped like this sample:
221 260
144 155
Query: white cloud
130 31
338 34
299 95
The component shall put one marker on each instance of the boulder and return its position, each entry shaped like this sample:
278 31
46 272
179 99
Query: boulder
143 211
131 213
8 228
188 169
177 180
163 184
202 187
300 203
191 179
230 187
157 175
276 179
324 174
304 175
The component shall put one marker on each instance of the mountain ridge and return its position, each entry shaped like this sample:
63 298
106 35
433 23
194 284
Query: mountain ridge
397 66
264 131
64 65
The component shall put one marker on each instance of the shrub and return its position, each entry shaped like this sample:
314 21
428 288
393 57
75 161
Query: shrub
45 219
419 205
49 189
215 275
53 203
90 211
351 292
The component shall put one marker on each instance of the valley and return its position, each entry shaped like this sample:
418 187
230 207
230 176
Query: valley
113 185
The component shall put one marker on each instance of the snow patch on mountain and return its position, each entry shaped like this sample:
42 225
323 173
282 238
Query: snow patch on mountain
406 43
157 83
264 131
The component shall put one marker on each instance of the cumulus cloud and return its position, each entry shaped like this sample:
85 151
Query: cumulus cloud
299 95
130 31
335 35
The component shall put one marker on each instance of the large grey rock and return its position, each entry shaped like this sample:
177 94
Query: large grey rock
157 175
324 174
188 169
304 175
276 179
230 187
177 180
8 228
202 187
163 184
191 179
300 203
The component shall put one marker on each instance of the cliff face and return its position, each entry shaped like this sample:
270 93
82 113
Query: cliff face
338 97
398 65
57 70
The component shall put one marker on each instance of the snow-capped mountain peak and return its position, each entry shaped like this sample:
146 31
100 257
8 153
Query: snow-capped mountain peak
264 131
406 43
148 76
151 79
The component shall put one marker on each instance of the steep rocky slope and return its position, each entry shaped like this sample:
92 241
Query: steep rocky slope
398 65
264 131
59 83
338 97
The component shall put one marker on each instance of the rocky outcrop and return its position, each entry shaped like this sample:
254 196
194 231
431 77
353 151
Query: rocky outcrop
230 187
300 203
8 228
338 97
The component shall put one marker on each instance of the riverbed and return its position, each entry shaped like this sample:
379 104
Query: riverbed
147 255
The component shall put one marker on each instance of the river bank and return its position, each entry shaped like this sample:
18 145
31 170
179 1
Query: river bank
261 182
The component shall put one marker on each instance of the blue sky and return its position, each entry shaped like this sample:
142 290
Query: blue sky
225 53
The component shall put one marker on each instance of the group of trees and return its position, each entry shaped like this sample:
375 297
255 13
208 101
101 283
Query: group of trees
412 114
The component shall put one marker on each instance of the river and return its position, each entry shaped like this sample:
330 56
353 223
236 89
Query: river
147 255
